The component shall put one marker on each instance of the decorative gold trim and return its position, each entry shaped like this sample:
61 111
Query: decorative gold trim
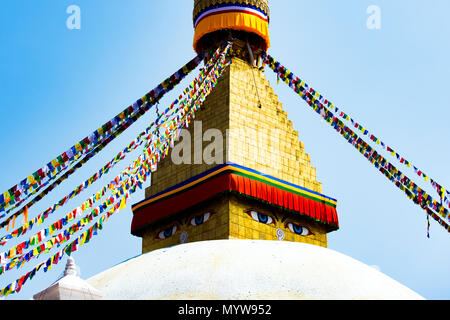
200 5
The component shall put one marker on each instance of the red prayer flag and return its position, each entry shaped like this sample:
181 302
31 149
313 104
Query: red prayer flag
25 214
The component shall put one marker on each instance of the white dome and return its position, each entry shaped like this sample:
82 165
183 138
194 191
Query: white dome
247 270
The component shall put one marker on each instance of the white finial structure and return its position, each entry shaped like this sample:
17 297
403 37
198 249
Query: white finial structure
69 287
71 268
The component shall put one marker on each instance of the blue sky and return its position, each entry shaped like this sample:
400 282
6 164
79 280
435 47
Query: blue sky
58 85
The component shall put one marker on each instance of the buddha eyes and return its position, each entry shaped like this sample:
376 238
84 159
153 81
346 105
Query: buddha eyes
167 233
195 221
266 219
201 219
262 218
255 215
301 231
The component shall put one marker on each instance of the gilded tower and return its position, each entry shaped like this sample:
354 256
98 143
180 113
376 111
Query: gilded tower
240 171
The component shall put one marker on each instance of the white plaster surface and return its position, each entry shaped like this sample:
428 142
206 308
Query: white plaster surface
69 287
247 270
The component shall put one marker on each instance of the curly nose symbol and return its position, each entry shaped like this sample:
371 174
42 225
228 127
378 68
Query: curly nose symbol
280 235
183 237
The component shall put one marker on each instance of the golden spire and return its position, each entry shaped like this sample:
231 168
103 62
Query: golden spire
218 20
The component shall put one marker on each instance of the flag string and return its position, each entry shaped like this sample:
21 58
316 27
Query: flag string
143 136
404 183
442 192
129 186
28 186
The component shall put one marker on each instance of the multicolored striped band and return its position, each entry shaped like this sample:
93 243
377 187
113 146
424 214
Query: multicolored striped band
232 178
228 9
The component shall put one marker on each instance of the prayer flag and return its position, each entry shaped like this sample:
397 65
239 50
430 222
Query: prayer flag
25 214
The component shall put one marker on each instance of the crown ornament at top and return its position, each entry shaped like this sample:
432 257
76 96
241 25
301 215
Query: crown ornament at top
201 5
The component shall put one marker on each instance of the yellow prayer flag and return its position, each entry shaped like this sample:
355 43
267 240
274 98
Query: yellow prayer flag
123 204
31 180
52 229
78 147
11 253
13 263
83 239
55 163
7 197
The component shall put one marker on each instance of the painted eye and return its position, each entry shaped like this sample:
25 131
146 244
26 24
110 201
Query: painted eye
201 219
167 233
302 231
262 218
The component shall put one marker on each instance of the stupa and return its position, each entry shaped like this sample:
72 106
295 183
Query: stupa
247 175
235 210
